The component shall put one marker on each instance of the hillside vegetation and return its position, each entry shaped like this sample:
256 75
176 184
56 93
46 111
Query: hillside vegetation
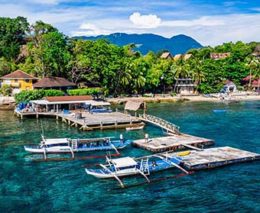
41 50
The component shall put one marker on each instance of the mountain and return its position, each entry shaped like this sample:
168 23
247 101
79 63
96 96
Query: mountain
150 42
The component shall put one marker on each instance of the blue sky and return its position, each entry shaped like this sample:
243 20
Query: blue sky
209 22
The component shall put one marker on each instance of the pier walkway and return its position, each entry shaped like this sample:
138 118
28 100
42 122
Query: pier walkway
94 121
166 125
89 121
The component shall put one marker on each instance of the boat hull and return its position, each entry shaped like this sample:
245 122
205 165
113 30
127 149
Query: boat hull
111 175
67 149
153 166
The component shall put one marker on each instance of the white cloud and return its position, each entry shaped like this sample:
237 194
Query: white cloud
51 2
89 29
145 21
202 21
257 9
209 30
235 27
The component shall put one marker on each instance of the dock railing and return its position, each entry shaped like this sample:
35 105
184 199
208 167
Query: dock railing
166 125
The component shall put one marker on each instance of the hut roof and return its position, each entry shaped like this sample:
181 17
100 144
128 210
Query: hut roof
229 83
187 56
256 83
257 50
18 74
177 57
50 82
247 78
133 105
166 55
217 56
68 98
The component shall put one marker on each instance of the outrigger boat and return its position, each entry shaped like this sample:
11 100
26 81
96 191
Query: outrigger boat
67 145
128 166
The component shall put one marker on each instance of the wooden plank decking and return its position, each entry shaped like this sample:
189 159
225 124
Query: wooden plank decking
176 142
214 157
101 120
90 121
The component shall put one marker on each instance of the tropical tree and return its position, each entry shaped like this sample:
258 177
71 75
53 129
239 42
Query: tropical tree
12 36
52 55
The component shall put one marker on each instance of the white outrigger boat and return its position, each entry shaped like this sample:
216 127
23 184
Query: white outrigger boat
128 166
67 145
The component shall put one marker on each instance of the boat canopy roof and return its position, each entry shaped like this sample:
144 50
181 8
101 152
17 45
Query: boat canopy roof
124 162
56 141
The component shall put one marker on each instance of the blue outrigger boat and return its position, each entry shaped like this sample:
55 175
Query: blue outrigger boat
67 145
128 166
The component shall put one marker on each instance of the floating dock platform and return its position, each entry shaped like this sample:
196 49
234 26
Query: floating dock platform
173 143
213 157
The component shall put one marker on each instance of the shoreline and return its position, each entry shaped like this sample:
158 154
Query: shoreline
175 99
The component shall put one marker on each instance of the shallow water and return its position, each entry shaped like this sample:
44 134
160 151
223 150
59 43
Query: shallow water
31 186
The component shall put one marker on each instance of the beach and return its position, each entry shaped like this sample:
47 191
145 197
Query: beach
195 98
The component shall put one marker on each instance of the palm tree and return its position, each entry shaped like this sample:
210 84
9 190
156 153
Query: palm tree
197 72
254 66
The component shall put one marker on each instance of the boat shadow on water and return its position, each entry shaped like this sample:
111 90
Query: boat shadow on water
157 178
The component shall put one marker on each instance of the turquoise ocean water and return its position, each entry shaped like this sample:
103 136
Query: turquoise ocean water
29 186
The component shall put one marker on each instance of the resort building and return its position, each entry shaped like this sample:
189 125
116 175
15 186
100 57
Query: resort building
166 55
217 56
60 103
250 82
185 86
256 52
180 56
256 85
18 80
229 87
54 83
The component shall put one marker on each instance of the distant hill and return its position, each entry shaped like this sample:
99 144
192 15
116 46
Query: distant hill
176 45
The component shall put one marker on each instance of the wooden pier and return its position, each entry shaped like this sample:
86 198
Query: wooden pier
173 143
113 120
88 121
213 157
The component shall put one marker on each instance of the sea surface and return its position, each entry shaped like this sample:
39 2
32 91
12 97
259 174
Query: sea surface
27 185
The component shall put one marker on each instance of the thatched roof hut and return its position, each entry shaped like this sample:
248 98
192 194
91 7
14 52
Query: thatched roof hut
166 55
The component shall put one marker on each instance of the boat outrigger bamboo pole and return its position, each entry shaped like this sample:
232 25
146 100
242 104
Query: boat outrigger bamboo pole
72 153
115 176
144 175
171 163
45 154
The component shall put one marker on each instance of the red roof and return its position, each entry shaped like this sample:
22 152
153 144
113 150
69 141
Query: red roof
69 98
247 78
256 83
51 82
18 74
